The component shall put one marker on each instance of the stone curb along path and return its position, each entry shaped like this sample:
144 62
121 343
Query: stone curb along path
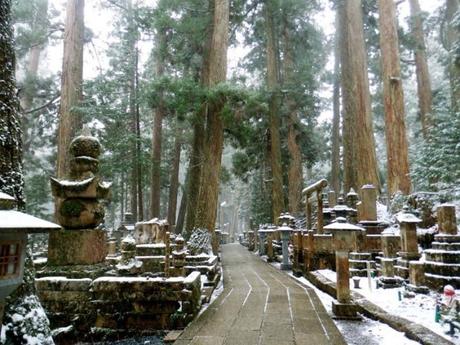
412 330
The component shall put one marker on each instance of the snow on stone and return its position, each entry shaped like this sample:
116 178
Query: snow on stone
5 196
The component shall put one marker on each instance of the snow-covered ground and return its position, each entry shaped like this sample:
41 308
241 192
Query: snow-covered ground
419 309
367 331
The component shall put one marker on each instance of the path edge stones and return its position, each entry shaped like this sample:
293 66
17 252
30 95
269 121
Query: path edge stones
411 329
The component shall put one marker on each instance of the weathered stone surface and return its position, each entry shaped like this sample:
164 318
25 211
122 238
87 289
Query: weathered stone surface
391 245
77 247
367 209
62 284
447 223
79 213
85 146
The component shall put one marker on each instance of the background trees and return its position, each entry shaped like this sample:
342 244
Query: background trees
272 129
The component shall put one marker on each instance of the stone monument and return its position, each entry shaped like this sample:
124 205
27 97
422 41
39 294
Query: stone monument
78 207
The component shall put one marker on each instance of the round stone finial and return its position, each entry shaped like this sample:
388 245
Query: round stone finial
85 146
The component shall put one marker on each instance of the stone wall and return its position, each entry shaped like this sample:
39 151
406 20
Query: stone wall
121 303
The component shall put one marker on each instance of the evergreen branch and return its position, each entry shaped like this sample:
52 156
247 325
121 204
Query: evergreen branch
46 105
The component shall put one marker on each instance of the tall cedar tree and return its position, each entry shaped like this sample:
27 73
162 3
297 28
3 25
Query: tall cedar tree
393 101
453 43
295 173
273 85
336 139
360 163
71 81
421 67
216 73
11 177
158 114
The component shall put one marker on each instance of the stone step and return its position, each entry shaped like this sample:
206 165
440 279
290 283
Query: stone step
360 256
446 246
437 281
150 249
442 269
359 264
447 238
452 257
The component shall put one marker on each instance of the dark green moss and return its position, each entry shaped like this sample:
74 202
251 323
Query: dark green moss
72 208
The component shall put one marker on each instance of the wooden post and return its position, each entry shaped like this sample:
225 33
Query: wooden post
319 197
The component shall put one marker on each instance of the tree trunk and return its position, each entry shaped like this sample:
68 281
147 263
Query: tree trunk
453 39
360 163
140 198
174 177
295 156
421 67
71 82
274 121
158 114
393 101
335 156
182 209
11 177
217 73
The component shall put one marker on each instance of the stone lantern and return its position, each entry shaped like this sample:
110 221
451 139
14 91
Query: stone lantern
285 234
14 227
343 238
262 232
270 233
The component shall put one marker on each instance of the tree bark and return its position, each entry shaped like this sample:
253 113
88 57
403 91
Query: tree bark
174 177
71 82
453 38
217 73
393 101
11 176
295 156
335 156
182 209
421 67
360 163
274 121
158 114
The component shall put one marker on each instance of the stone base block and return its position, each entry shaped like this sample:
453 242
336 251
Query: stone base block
417 289
285 267
77 247
389 282
347 311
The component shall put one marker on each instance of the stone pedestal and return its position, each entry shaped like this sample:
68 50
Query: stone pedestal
417 278
388 279
251 240
332 198
367 208
447 222
270 251
343 308
77 247
409 246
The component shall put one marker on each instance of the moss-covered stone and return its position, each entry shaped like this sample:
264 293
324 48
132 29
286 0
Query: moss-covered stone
77 247
85 146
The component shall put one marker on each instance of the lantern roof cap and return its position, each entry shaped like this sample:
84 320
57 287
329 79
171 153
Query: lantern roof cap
11 220
341 224
406 217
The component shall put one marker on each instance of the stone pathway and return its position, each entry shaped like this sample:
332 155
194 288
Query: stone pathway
260 306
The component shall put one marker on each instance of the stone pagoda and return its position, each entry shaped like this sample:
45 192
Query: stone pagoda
79 209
